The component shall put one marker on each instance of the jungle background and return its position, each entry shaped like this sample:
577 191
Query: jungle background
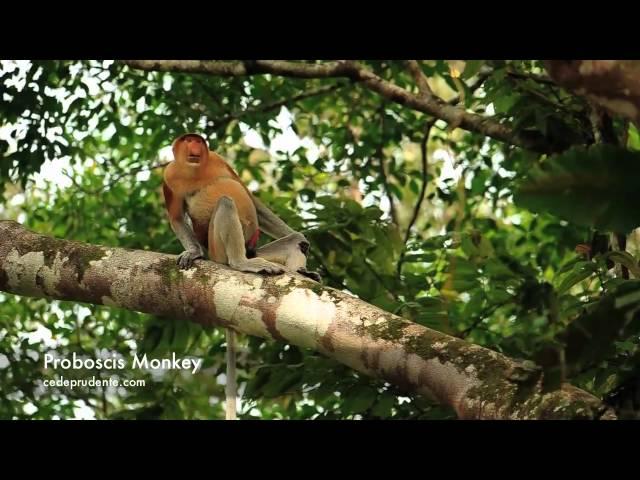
526 246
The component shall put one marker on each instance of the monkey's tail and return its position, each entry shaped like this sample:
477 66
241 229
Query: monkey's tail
231 387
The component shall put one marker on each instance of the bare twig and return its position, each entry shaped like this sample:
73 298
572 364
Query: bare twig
420 78
625 134
280 103
423 190
116 178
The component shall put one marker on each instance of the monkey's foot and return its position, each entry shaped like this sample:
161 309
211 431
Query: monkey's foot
312 275
258 265
186 259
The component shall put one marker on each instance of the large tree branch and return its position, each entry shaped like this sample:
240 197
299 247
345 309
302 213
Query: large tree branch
475 381
349 69
611 84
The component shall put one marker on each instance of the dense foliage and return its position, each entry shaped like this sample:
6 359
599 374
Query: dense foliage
449 228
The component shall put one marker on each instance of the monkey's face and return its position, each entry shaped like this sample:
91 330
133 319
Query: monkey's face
191 149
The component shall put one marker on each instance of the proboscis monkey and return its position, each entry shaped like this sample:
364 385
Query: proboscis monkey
211 210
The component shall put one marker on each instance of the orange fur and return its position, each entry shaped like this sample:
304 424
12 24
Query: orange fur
198 187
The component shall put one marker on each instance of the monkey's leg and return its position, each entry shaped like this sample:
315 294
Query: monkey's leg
227 245
290 251
227 242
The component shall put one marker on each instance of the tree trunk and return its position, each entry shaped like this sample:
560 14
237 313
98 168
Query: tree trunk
477 382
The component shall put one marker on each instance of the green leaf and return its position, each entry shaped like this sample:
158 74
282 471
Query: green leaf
257 382
479 181
384 405
624 258
496 296
592 186
498 270
359 399
181 337
168 332
281 381
580 272
504 103
634 137
472 68
420 257
463 285
151 339
627 299
592 337
541 122
431 303
571 264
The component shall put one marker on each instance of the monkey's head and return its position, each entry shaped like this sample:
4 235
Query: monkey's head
190 149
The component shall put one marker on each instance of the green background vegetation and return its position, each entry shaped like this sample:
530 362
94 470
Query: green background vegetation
490 256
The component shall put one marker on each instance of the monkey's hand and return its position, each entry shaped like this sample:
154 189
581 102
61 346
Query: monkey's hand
304 248
312 275
303 244
186 258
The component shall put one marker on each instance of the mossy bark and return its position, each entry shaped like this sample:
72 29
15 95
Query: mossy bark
477 382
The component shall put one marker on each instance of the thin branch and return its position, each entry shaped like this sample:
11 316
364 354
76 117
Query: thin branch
596 124
532 76
423 150
280 103
423 190
484 315
354 71
381 281
420 78
338 281
105 404
116 178
625 134
482 77
542 97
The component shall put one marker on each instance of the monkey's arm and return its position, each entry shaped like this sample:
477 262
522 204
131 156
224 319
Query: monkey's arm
275 227
184 233
193 249
288 243
269 222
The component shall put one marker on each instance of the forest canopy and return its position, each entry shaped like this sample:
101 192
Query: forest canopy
492 201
